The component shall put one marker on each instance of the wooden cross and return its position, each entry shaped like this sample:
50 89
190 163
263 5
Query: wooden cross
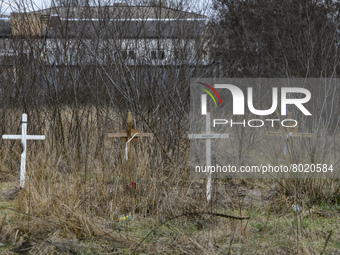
23 137
129 135
289 132
208 136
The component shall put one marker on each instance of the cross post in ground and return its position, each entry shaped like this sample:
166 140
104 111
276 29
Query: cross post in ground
23 137
208 136
289 132
129 135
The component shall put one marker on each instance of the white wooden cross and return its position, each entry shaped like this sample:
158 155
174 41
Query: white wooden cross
23 138
208 136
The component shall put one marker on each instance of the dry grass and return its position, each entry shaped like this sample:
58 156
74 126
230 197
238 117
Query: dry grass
75 193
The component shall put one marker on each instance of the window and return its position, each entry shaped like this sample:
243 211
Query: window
161 54
153 54
126 54
157 54
132 54
180 54
123 54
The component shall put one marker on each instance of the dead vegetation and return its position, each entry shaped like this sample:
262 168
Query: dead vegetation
72 206
79 184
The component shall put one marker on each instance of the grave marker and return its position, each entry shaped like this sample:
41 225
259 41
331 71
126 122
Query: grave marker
129 135
23 137
289 132
208 136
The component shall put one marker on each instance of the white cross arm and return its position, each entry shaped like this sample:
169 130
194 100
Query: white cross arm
208 136
28 137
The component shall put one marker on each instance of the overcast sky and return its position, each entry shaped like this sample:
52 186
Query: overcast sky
8 6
